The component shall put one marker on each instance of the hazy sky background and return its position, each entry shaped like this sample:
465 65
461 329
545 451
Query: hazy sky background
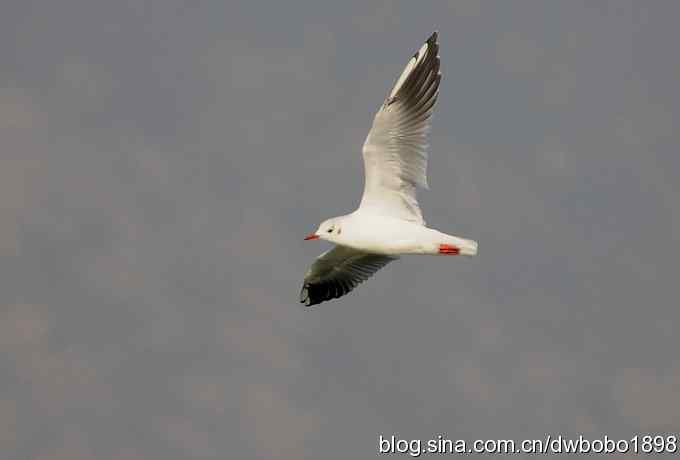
161 161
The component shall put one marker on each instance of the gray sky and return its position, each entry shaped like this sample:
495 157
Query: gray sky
162 160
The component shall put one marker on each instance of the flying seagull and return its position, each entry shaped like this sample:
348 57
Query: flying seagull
388 222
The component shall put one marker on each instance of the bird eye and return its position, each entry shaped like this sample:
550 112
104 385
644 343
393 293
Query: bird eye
330 230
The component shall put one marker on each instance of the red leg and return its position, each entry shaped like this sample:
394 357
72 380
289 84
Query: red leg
449 249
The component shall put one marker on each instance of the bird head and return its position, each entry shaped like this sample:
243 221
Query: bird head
329 230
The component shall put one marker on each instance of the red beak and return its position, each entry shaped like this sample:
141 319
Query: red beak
311 236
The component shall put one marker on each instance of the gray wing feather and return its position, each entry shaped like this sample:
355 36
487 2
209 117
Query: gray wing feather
337 272
395 151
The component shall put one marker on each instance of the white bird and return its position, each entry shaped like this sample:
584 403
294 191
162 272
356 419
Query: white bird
388 222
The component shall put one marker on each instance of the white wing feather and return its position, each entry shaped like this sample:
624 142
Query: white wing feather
395 151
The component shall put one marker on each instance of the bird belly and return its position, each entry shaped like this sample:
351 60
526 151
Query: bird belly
394 238
412 239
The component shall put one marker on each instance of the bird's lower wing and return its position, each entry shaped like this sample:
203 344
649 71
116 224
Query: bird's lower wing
337 272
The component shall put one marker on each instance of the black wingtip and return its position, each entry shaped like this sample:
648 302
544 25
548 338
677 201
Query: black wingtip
311 294
304 296
316 293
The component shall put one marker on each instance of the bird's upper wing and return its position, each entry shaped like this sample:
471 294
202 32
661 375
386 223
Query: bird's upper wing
395 151
337 271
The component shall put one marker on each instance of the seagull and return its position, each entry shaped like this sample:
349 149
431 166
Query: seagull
388 222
